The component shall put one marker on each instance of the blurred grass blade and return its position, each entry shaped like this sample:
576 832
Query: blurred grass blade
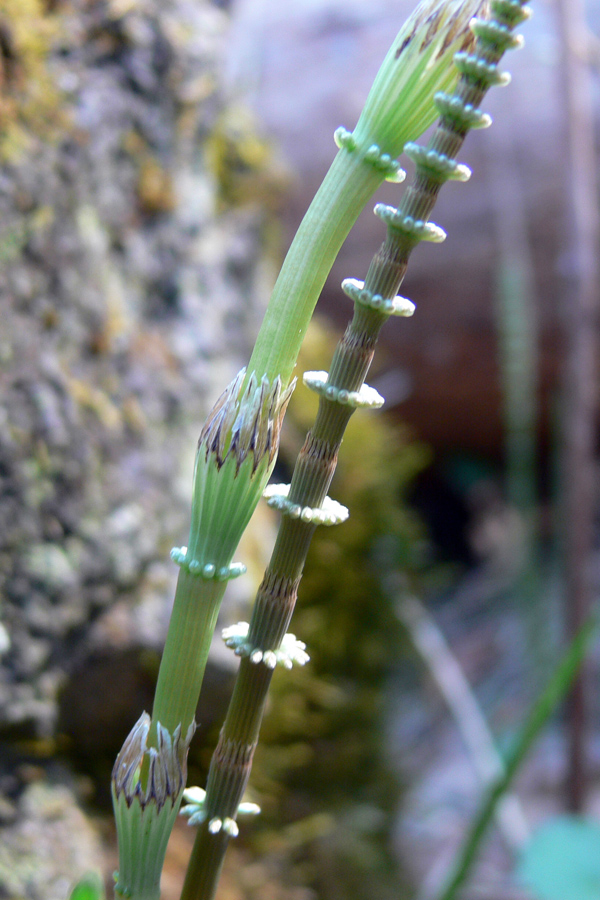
543 708
450 679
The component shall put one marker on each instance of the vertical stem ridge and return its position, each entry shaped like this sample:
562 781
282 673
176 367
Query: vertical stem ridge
194 616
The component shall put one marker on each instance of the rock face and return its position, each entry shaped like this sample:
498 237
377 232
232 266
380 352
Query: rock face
128 302
306 72
48 842
129 299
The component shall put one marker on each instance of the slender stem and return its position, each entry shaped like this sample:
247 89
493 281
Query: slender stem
399 107
343 194
192 625
350 182
518 328
230 766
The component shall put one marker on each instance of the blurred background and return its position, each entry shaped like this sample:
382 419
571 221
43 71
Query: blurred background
155 161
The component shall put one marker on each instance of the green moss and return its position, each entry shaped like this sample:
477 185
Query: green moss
243 162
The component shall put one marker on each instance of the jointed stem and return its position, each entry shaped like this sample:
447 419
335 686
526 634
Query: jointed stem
399 106
230 766
239 441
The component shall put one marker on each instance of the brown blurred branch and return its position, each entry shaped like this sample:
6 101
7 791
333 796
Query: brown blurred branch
581 302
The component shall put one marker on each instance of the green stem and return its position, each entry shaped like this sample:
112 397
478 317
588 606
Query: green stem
398 109
230 766
191 628
542 710
246 420
347 187
231 763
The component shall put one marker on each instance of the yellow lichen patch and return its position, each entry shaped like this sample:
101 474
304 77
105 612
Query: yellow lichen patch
96 401
30 102
155 187
244 163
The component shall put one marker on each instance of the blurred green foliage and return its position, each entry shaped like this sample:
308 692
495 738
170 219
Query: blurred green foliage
90 887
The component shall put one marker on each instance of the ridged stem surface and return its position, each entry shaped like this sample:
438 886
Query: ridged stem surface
193 621
346 189
230 766
232 760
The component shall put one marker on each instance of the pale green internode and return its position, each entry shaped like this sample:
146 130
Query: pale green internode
290 651
419 59
414 229
374 156
146 804
396 306
195 810
366 398
331 513
236 454
463 115
478 69
208 571
437 166
496 35
510 12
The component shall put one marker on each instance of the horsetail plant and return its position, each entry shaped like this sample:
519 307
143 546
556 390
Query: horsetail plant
239 442
264 643
400 107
